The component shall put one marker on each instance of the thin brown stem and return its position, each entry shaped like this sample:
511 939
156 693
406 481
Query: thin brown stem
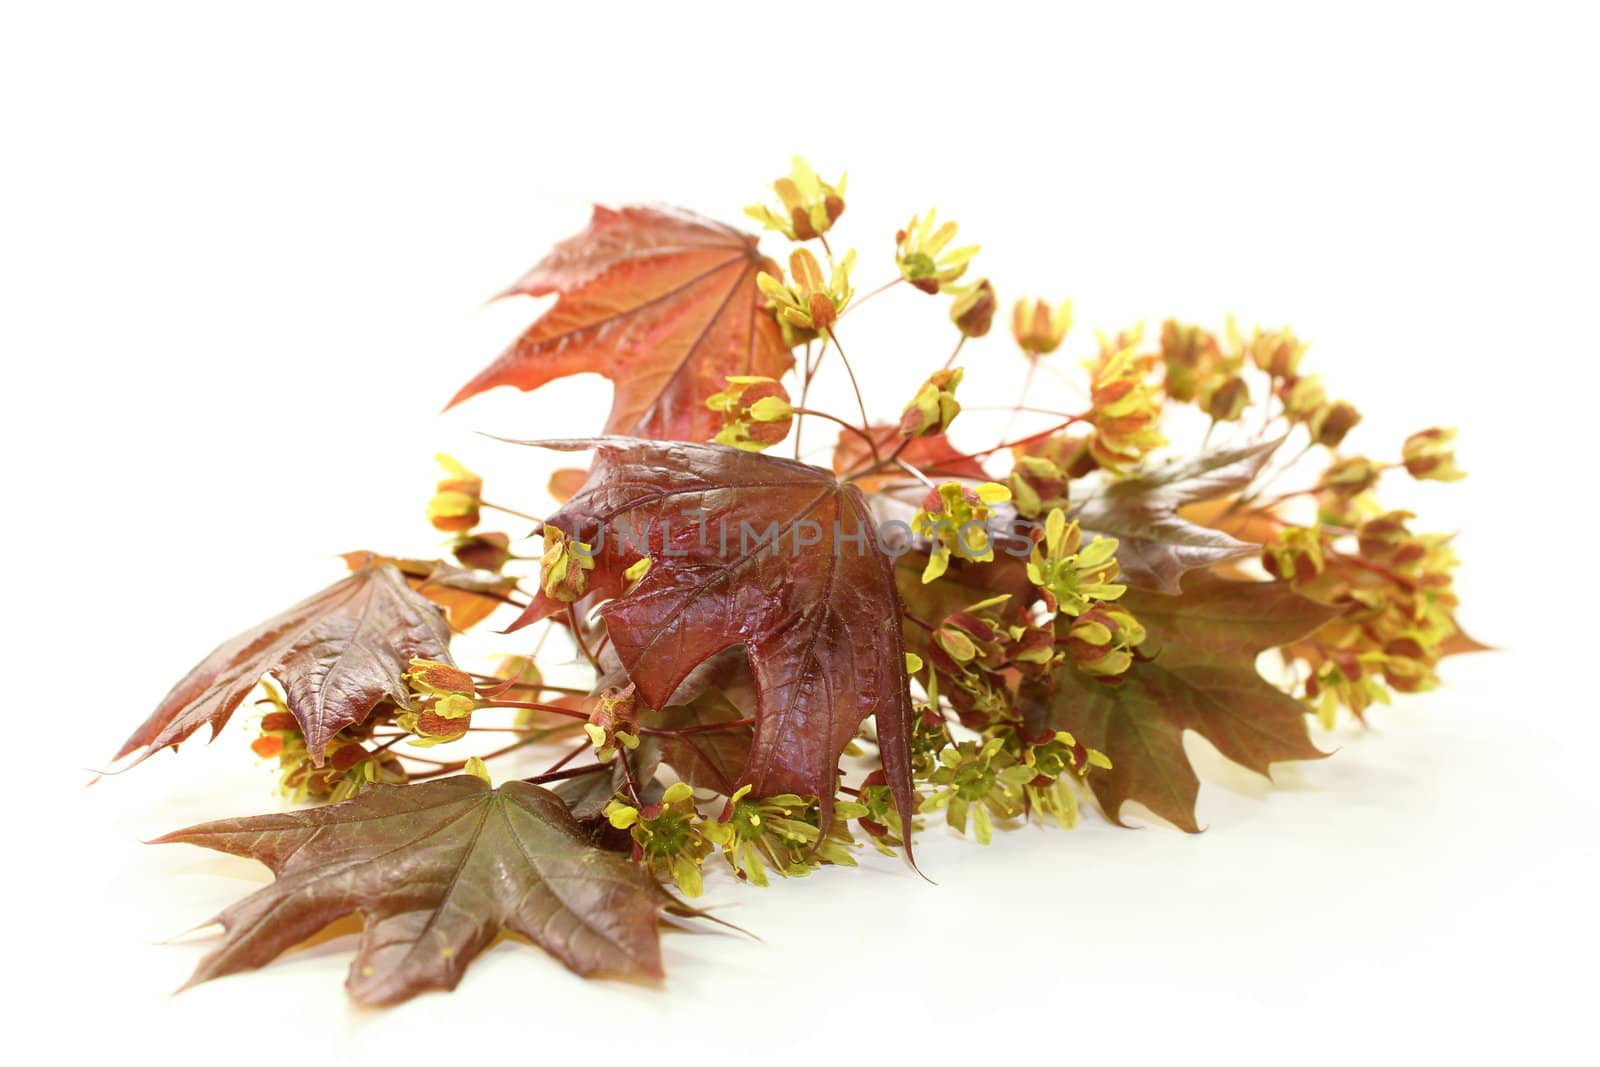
577 637
448 768
534 705
628 779
918 475
856 386
885 287
805 388
512 511
1027 384
571 772
1041 435
949 361
703 728
858 431
1260 487
568 758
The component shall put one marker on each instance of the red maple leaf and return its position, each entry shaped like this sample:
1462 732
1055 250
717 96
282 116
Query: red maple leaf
662 302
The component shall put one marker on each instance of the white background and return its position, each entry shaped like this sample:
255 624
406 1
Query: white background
245 253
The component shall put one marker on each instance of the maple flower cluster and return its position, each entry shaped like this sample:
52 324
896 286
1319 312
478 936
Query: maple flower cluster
1029 610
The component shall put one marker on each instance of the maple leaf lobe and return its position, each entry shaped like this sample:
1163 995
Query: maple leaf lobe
663 303
337 654
436 871
1156 546
1201 676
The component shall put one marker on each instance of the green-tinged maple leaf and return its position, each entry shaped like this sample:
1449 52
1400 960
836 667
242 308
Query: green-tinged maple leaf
743 553
1156 546
661 302
336 654
1201 677
435 871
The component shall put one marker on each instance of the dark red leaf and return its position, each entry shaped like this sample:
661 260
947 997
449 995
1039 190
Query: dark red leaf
821 627
336 654
435 871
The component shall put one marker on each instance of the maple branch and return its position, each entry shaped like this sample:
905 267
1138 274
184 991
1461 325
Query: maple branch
512 683
805 388
627 776
1042 434
1019 408
532 705
918 475
451 768
569 757
1261 486
881 464
571 772
513 511
858 431
703 728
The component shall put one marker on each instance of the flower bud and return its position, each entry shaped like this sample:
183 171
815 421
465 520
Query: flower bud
1126 416
1227 401
807 206
1332 422
484 551
755 411
934 407
1101 640
1428 456
1296 554
920 253
954 518
1038 330
973 308
613 721
1386 540
1191 356
456 499
433 678
565 566
1037 484
809 304
1350 477
1277 352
